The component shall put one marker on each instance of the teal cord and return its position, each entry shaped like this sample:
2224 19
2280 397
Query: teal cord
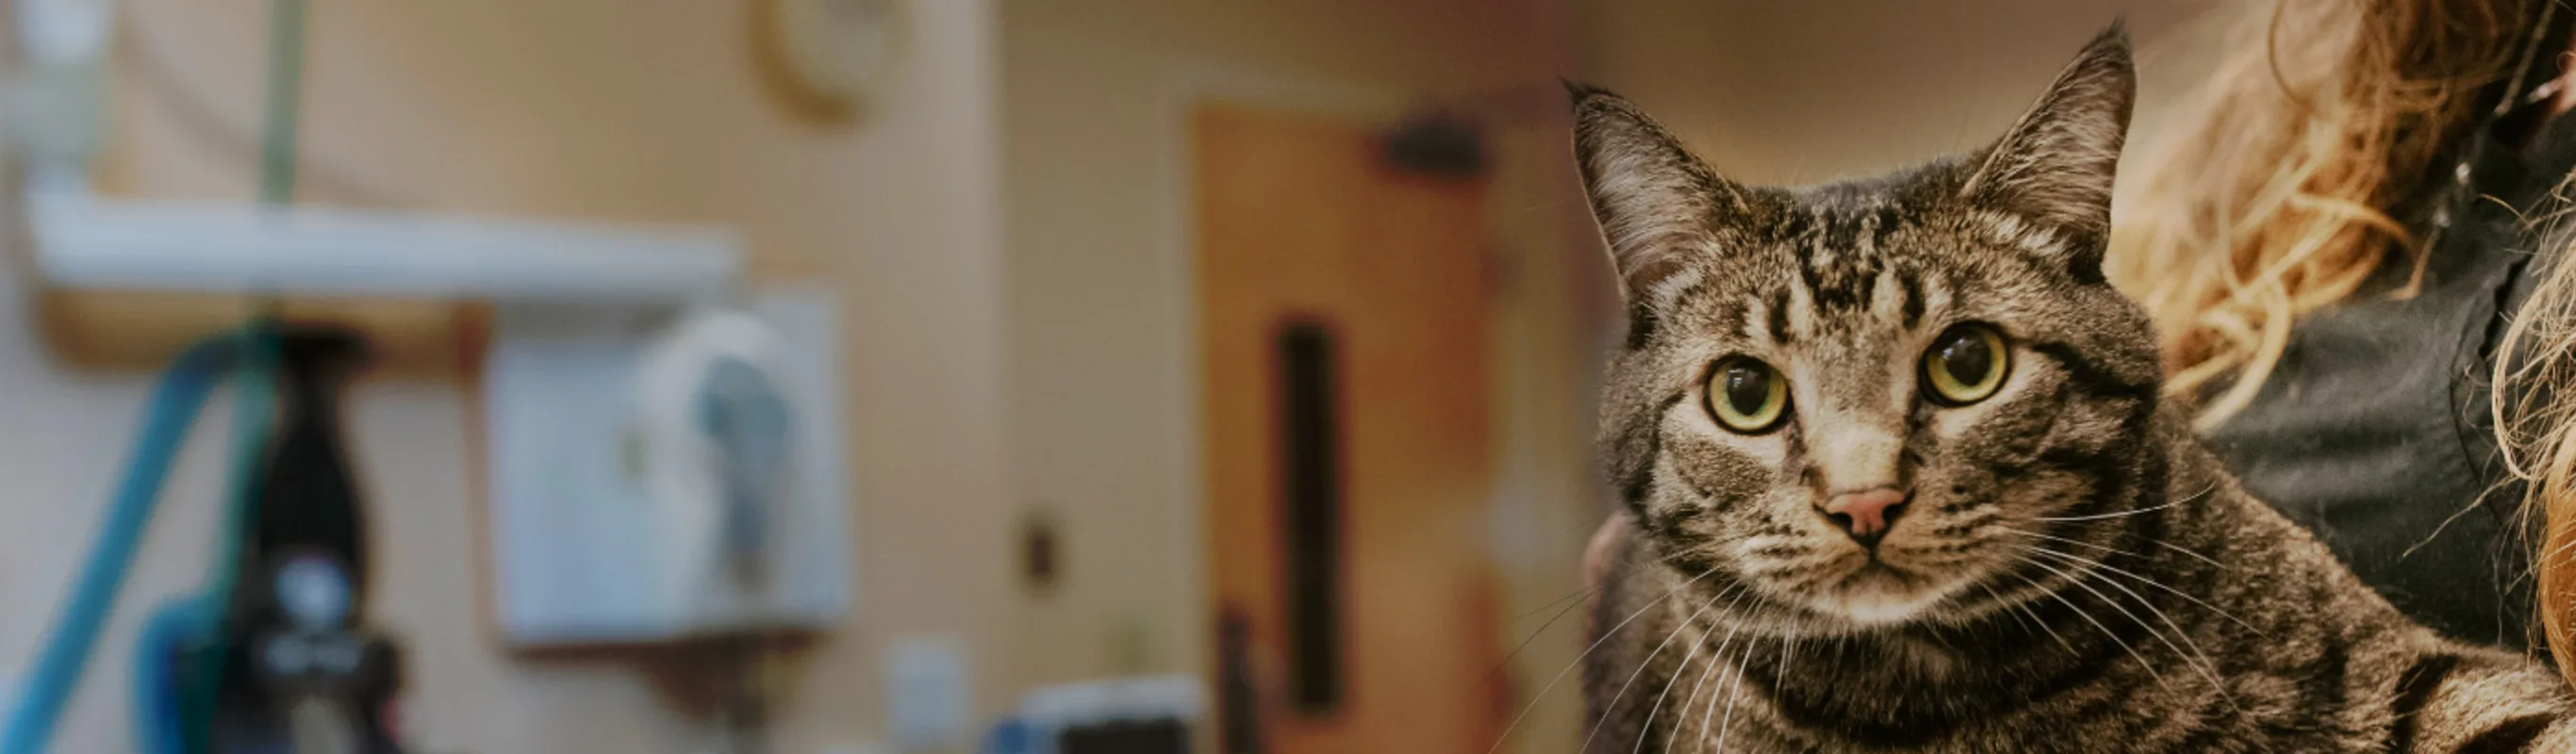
27 728
285 102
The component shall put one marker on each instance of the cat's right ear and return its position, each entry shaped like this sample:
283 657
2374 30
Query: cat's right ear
2056 165
1653 199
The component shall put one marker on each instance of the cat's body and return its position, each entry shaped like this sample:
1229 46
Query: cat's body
1901 481
2319 663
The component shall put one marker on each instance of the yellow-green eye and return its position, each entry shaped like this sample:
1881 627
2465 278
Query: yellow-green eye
1747 396
1966 364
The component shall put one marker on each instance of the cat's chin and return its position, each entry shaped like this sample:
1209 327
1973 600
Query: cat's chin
1878 596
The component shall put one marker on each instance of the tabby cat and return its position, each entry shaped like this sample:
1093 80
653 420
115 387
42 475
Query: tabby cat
1900 480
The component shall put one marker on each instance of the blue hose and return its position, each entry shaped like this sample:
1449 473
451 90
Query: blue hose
160 700
176 398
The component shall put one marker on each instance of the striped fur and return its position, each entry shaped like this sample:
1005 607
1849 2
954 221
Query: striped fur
2072 571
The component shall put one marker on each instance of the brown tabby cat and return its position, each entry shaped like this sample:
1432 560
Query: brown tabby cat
1901 482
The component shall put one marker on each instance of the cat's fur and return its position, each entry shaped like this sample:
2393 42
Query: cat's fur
2072 572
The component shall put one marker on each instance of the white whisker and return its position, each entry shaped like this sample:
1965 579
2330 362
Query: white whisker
1587 652
2207 667
1716 660
1687 623
2135 511
2101 516
2097 625
2020 614
1728 724
2159 585
1645 731
2188 551
2106 630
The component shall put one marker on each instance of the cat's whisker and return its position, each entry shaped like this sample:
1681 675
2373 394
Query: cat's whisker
2082 583
1587 652
1788 651
2107 633
1727 724
1577 596
2195 554
2102 516
2186 500
2072 541
1998 599
1687 623
1579 599
1696 686
2117 551
2207 667
1658 707
2160 585
2024 608
1505 665
1717 659
1704 716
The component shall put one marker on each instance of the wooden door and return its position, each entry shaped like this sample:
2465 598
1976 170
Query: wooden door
1344 336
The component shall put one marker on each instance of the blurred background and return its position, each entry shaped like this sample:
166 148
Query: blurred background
1222 362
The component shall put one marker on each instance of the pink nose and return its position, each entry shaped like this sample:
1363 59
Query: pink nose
1866 513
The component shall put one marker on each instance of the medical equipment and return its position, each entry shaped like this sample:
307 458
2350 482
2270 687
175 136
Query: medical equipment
244 664
302 668
164 702
273 641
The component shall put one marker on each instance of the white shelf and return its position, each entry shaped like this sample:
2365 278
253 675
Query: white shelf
82 241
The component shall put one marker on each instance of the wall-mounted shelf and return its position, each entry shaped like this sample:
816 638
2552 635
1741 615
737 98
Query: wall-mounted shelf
127 282
87 242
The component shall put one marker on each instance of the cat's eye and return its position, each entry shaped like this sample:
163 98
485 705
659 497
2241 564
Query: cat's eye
1746 395
1966 364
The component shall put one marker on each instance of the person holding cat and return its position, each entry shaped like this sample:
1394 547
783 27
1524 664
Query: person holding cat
1901 468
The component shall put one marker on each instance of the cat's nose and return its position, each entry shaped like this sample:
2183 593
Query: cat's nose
1866 514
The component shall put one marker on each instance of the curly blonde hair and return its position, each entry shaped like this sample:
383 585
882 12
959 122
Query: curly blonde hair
2272 199
2270 196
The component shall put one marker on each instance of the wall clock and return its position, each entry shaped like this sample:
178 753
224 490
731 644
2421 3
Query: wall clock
829 60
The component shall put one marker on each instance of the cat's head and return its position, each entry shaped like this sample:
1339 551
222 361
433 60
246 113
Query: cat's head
1859 404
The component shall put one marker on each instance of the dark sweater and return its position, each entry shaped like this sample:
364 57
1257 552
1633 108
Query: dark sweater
2375 430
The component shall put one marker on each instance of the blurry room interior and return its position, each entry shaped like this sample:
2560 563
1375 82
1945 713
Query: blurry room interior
1079 252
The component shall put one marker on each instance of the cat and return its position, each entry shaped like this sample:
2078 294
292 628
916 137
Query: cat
1900 480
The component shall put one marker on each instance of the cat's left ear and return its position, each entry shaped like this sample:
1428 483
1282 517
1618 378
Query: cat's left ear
1653 199
2055 166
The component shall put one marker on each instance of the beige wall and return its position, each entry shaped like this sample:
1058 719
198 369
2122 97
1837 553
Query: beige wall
1104 362
1789 93
604 109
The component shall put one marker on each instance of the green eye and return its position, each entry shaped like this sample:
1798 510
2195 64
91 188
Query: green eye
1966 364
1747 396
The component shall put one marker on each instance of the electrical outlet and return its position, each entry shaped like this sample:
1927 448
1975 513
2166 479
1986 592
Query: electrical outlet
929 696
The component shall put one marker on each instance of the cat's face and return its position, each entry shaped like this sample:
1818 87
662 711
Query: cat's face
1863 404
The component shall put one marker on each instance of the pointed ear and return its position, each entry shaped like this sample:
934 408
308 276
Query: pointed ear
2055 166
1652 198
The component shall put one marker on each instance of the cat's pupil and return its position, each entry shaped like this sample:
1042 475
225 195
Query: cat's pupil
1747 388
1967 359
